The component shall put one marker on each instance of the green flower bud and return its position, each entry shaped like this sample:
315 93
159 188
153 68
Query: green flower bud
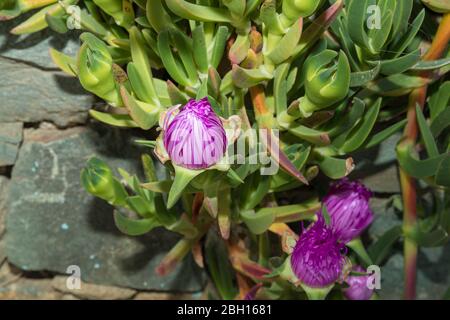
326 83
97 179
441 6
95 69
293 9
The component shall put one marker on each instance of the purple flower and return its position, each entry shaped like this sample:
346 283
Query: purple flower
357 285
316 259
347 203
195 137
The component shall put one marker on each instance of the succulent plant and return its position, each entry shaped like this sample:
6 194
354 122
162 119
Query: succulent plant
300 85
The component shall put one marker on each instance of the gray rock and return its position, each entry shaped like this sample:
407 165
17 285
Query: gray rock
17 286
377 167
10 139
92 291
52 223
3 191
433 276
33 48
30 94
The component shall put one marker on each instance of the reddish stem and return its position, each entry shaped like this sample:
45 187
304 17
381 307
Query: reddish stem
417 97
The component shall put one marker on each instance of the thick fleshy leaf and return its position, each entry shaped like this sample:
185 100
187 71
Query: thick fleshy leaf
117 120
379 250
246 78
144 114
182 178
431 65
287 44
219 266
427 135
415 167
442 177
134 227
197 12
64 62
37 21
359 135
360 78
335 168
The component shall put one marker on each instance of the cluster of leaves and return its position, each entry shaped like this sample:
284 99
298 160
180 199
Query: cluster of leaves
317 71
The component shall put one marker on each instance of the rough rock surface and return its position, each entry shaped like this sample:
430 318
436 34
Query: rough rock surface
10 139
33 48
52 223
30 94
92 291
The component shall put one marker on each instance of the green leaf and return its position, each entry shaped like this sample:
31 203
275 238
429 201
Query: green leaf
139 70
316 137
117 120
197 12
357 16
134 227
357 246
427 136
384 134
318 26
38 20
144 114
440 122
182 178
326 215
400 64
220 40
64 62
431 65
359 135
442 177
335 168
199 48
379 250
157 15
359 79
56 23
258 222
379 36
246 78
219 266
439 100
287 44
408 37
417 168
172 65
140 206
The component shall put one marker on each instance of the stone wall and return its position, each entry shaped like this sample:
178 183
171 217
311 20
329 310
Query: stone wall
47 221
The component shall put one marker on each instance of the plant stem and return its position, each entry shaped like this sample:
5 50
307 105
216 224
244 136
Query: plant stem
417 97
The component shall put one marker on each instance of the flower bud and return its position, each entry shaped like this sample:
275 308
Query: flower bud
97 179
357 285
347 203
195 137
294 9
95 69
326 83
317 260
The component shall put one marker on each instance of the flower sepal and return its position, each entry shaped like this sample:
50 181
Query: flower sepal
316 293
